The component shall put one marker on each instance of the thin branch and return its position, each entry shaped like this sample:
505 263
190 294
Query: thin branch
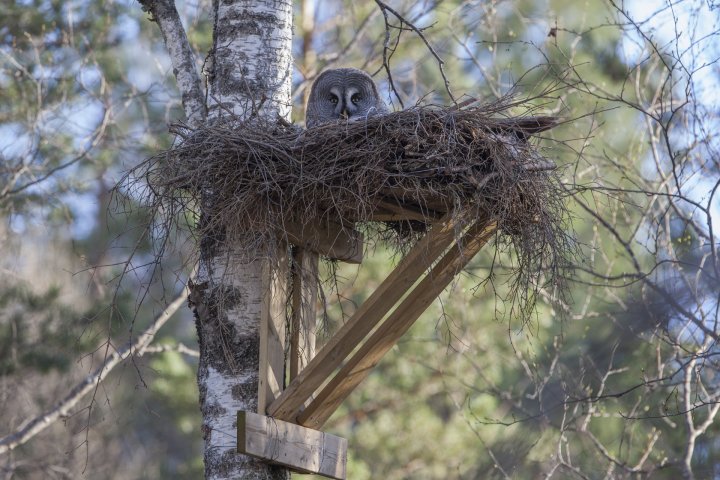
180 348
441 63
138 346
97 137
165 14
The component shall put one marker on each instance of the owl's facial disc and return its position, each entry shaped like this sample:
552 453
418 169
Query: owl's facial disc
343 93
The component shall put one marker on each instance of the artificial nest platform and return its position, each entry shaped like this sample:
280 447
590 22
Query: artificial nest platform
391 175
426 160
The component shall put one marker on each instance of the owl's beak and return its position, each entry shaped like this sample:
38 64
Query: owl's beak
343 114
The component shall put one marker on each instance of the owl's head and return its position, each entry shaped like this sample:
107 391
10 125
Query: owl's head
342 93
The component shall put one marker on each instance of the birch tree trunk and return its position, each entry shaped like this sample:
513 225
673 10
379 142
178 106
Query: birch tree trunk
249 72
237 293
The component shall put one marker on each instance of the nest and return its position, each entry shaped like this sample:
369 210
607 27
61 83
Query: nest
391 175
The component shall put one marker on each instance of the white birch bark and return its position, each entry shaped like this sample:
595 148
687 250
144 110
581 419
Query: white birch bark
252 61
249 73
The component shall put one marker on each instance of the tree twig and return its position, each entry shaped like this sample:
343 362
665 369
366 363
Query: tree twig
138 346
180 348
441 63
165 14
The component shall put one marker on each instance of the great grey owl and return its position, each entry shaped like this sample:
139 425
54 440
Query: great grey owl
342 93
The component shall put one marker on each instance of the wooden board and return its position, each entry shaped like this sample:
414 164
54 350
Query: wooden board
329 239
389 210
361 363
304 300
301 449
288 405
271 379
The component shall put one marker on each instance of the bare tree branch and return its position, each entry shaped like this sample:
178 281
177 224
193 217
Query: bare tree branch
165 14
136 347
441 63
180 348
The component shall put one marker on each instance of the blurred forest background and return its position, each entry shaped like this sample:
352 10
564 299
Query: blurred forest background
618 379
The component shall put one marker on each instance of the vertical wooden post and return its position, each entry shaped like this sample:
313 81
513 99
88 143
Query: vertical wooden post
304 299
273 320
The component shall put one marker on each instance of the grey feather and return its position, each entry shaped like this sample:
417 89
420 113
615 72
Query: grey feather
343 93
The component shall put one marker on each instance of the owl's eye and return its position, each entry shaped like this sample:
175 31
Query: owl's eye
333 99
355 98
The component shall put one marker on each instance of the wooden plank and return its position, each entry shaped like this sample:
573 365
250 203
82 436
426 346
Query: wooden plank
329 239
359 366
301 449
405 212
304 299
437 202
411 267
272 328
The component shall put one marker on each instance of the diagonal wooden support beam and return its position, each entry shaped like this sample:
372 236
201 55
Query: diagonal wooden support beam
361 363
289 403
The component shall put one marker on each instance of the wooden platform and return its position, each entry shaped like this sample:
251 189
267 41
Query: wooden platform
334 372
285 430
